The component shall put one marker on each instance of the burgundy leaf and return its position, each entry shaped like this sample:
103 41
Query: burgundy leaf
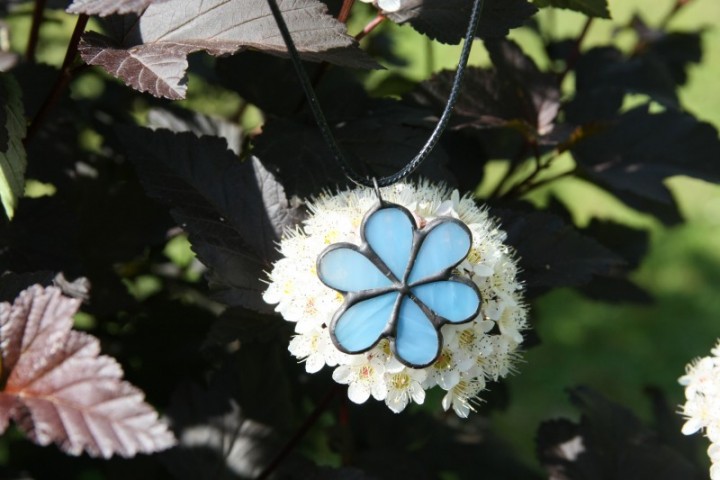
58 388
158 69
513 93
108 7
446 20
150 54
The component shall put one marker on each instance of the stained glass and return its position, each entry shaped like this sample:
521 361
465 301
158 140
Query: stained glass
399 285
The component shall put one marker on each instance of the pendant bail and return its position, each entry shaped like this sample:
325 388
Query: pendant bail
377 191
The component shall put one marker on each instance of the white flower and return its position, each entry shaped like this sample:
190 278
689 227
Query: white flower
366 376
485 348
462 395
403 387
387 5
702 405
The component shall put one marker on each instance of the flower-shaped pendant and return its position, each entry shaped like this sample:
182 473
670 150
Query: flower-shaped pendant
398 284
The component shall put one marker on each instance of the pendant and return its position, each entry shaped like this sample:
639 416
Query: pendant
400 294
398 284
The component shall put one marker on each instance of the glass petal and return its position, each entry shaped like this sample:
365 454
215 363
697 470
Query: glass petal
454 301
416 339
360 326
348 270
443 247
389 232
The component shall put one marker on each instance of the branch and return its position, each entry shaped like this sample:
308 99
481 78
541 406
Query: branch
37 20
345 10
370 26
575 53
304 428
542 183
63 79
679 4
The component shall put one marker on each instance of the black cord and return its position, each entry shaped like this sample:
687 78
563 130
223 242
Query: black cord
325 128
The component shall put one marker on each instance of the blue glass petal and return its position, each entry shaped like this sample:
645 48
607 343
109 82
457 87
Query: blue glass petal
443 247
361 325
348 270
454 301
416 339
389 232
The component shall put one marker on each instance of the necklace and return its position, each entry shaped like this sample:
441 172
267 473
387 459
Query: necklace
411 292
399 286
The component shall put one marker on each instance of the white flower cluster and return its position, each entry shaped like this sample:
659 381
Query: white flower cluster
702 403
484 349
387 6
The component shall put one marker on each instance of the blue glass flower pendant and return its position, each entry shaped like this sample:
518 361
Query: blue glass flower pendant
398 284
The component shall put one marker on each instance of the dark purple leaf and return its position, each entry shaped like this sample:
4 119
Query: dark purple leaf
608 442
378 143
640 150
58 388
11 284
150 53
592 8
514 93
108 7
447 20
236 327
273 86
180 120
677 50
552 253
236 425
607 68
234 211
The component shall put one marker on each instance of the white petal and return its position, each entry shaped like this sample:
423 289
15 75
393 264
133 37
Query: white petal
447 401
379 390
314 363
462 409
393 365
342 374
691 426
396 403
715 471
417 392
448 379
358 392
482 270
390 5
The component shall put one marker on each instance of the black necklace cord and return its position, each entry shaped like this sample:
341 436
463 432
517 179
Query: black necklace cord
322 122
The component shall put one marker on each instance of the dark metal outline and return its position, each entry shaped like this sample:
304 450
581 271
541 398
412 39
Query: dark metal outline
400 286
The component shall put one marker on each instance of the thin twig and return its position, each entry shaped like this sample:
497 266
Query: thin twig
304 428
63 79
370 26
345 10
679 4
533 186
37 19
575 53
510 171
429 56
322 69
539 167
